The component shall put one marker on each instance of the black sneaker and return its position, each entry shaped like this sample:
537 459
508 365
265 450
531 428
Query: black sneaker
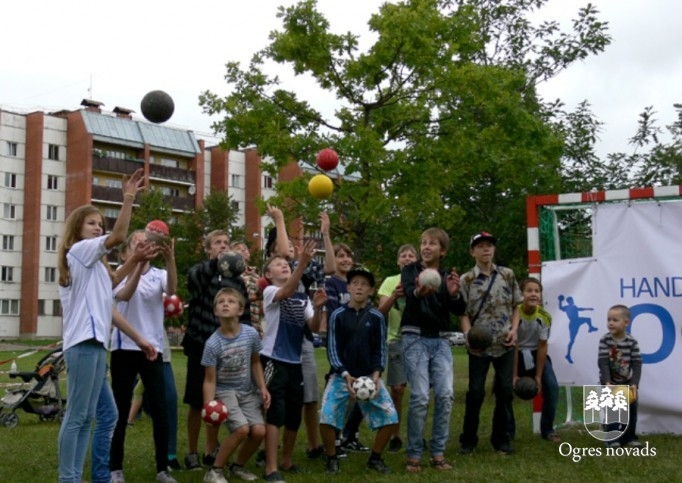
192 462
354 446
505 449
378 465
260 459
274 477
209 459
174 465
395 445
466 449
332 466
340 453
314 453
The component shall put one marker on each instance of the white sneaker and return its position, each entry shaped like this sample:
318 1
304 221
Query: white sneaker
214 476
165 477
242 473
117 477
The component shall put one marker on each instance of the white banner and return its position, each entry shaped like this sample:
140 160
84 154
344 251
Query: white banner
637 262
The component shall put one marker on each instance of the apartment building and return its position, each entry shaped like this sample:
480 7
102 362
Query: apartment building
51 163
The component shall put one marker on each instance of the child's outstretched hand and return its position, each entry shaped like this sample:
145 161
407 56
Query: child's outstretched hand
274 212
135 183
324 223
307 252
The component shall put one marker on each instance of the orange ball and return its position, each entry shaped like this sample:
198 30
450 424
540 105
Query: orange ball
320 186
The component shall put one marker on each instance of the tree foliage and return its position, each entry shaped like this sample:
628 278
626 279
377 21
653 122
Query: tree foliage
437 123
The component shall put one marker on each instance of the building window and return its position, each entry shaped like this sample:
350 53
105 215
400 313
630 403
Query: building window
41 307
57 308
9 211
51 212
7 274
113 183
267 181
235 206
236 181
10 180
95 181
52 182
11 149
115 154
53 152
50 243
166 191
111 213
171 163
8 242
50 274
9 307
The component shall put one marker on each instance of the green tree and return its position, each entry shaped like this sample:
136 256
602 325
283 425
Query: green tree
437 123
655 158
152 205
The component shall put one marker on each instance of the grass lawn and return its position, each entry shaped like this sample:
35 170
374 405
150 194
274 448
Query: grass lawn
29 451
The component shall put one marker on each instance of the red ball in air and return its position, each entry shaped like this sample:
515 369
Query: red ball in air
327 159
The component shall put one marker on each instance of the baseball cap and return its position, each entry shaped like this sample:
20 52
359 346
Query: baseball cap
359 271
482 236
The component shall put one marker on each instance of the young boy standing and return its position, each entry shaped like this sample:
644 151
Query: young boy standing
232 367
620 362
290 316
492 297
427 357
204 280
391 305
356 346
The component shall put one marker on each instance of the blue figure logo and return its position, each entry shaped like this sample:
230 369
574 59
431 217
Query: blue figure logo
574 321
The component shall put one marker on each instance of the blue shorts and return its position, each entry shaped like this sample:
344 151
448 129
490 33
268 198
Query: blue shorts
378 412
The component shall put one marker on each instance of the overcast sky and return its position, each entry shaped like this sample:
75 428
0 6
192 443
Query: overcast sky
54 51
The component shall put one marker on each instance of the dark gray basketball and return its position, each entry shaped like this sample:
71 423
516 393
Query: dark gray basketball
231 264
479 337
157 106
526 388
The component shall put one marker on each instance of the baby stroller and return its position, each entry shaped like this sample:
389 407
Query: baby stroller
39 394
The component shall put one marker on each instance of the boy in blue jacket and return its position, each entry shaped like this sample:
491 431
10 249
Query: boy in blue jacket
356 346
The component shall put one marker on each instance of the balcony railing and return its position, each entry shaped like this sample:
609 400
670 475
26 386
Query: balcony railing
115 195
116 165
171 174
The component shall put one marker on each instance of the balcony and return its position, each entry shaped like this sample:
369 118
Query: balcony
115 195
168 173
116 165
105 193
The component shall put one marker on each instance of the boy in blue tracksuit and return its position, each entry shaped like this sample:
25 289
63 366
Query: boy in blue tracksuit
356 346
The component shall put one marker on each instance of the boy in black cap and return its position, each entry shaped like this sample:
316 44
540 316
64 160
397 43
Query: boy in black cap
356 346
492 297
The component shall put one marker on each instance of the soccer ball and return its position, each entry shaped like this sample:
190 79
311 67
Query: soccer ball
479 337
231 264
364 388
172 305
526 388
430 277
157 231
214 412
